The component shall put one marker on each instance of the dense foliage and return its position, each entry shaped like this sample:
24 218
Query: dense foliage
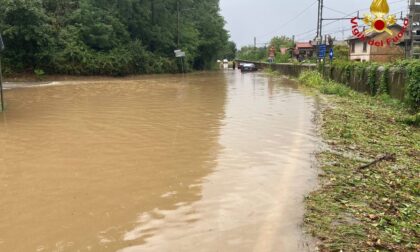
413 83
253 53
380 86
111 37
341 52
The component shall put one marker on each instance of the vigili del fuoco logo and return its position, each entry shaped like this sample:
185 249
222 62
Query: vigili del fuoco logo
379 21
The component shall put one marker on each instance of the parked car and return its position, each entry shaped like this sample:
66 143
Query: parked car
248 67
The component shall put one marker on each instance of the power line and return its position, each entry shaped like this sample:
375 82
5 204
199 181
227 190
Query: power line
306 33
312 30
334 10
290 20
350 29
399 1
336 20
330 23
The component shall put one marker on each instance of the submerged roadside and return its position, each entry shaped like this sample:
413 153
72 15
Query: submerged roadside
172 142
369 198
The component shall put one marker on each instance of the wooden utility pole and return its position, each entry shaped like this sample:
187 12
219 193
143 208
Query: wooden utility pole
178 17
1 76
177 25
1 88
178 28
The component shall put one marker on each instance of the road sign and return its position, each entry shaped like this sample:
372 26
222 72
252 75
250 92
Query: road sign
1 44
322 51
179 54
331 54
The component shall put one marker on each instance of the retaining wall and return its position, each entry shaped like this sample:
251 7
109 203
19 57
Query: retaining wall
286 69
357 80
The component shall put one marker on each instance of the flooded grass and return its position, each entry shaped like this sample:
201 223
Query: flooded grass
374 208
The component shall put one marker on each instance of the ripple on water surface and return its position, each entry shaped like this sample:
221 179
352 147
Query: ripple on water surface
204 162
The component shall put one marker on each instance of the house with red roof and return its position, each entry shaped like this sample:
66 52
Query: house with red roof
304 50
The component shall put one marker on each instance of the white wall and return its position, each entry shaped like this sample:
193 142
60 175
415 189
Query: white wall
358 52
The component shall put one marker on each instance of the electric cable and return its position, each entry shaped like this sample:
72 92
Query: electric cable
346 15
290 20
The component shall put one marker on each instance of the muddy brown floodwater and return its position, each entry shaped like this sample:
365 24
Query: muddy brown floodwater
215 161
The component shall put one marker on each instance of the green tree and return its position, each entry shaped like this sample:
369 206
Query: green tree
282 41
229 51
341 52
251 53
26 31
111 37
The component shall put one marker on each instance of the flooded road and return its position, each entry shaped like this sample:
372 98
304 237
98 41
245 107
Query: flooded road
205 162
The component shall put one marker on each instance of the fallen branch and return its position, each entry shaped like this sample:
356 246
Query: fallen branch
387 157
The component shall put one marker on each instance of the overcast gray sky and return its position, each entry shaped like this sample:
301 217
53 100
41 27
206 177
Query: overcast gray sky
267 18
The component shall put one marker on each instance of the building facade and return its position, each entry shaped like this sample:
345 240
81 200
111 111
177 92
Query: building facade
414 31
363 51
304 50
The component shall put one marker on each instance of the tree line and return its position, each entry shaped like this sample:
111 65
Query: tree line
111 37
262 53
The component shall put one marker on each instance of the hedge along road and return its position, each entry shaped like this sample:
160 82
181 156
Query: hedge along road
215 161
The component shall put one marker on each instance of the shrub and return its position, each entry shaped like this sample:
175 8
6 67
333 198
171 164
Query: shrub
371 80
413 120
311 78
314 79
388 100
39 73
412 89
282 58
334 88
413 86
384 82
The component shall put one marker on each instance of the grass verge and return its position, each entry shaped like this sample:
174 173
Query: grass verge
356 208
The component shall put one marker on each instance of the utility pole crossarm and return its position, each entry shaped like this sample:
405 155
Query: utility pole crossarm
334 19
